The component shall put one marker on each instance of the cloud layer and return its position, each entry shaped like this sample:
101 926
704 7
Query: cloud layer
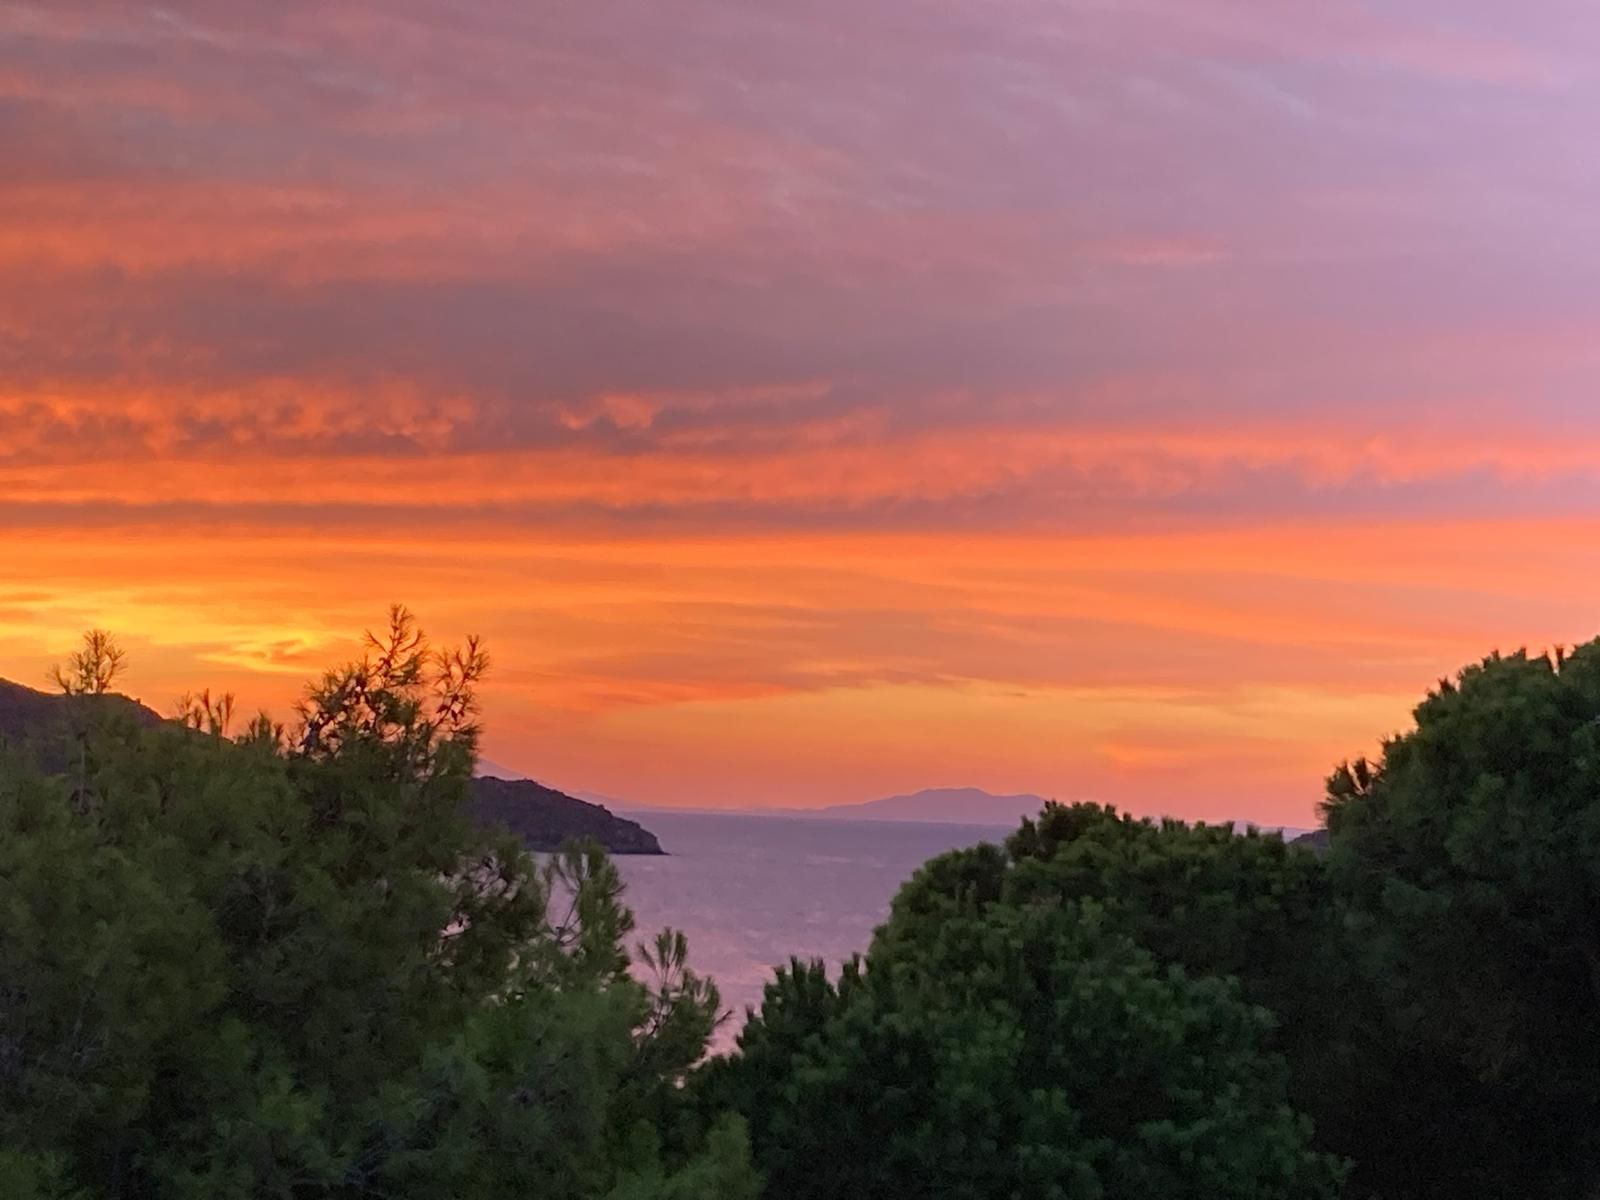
1141 400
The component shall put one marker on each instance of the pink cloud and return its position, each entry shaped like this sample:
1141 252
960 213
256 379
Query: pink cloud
1115 378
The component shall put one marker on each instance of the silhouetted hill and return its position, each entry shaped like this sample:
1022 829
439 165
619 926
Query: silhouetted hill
42 723
25 711
959 806
544 817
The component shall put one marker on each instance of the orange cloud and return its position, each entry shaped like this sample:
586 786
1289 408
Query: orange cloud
849 461
1135 401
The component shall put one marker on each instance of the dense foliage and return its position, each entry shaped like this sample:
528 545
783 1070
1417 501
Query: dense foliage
1098 954
1471 853
1017 1051
1243 906
284 963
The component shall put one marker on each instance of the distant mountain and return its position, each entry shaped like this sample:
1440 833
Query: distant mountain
542 816
494 770
958 806
612 801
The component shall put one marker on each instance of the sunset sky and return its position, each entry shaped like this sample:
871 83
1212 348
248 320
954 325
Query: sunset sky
1140 401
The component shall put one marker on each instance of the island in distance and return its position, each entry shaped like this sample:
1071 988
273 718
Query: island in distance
938 806
953 806
974 806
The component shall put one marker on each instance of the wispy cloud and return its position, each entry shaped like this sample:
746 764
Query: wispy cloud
1126 399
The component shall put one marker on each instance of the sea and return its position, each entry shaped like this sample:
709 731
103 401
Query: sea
752 891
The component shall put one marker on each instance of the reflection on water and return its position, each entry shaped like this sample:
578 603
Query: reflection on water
752 891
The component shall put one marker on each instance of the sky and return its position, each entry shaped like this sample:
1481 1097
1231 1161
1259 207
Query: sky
1133 400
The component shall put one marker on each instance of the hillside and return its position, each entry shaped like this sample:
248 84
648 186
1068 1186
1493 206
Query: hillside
41 721
542 816
959 806
25 712
545 817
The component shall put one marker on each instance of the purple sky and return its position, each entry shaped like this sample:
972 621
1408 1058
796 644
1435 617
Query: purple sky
1105 381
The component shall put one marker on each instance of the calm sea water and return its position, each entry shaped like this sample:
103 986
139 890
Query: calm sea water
752 891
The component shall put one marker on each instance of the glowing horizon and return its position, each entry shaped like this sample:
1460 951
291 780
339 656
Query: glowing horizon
1141 403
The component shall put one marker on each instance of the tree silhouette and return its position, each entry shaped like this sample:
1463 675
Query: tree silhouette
92 670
